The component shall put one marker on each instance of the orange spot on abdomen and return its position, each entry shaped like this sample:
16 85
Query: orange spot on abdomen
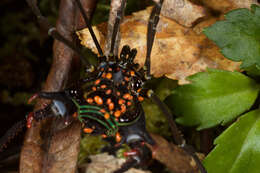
98 100
127 96
103 86
117 113
132 73
111 106
118 137
88 130
102 110
108 75
109 91
106 116
109 100
129 103
140 98
89 100
121 101
97 82
123 108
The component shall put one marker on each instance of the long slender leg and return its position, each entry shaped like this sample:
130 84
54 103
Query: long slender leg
53 32
153 21
116 27
12 133
179 140
63 96
89 28
61 105
20 125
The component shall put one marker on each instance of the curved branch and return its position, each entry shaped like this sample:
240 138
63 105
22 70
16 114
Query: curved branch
46 147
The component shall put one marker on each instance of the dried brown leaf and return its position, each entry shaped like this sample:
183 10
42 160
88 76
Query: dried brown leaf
224 6
243 3
104 163
183 11
181 162
177 52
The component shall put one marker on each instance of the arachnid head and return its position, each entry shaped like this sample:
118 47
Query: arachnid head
123 71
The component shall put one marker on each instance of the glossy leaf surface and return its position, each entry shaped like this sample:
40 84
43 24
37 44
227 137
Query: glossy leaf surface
238 148
214 97
239 36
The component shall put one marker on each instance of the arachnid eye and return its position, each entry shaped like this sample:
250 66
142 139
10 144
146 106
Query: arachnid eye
136 83
58 108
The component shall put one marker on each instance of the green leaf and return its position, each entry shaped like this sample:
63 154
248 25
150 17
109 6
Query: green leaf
253 71
239 36
213 97
238 147
90 145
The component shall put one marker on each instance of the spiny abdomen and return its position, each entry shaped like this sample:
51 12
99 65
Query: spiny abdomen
108 103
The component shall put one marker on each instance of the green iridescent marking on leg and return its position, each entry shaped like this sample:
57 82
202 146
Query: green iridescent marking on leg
98 120
76 103
98 108
89 107
98 113
116 124
110 131
113 118
130 123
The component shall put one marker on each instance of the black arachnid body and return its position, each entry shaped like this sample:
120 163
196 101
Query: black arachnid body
108 101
